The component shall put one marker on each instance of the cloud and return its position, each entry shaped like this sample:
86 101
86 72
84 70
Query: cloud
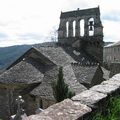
2 35
25 21
20 41
111 31
111 16
30 36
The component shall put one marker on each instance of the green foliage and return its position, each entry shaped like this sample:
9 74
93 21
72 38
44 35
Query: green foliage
9 54
60 88
112 112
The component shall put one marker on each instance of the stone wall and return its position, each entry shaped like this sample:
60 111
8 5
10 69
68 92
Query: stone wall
114 68
4 106
8 95
83 105
94 47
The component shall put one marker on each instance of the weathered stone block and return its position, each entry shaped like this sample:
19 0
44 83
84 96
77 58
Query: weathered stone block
89 97
116 77
64 110
106 89
114 82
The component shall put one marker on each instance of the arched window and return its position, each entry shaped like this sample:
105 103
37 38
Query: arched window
91 26
74 24
82 24
67 26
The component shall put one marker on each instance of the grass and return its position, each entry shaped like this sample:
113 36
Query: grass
112 112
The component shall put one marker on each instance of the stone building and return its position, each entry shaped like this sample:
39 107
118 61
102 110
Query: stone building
111 54
87 36
31 74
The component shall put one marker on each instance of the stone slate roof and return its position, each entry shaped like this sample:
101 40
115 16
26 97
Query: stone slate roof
44 90
84 73
34 69
62 56
106 73
85 12
25 72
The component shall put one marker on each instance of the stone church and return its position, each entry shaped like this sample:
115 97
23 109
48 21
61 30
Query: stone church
80 52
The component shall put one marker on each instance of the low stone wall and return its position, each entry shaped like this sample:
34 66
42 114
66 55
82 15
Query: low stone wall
82 106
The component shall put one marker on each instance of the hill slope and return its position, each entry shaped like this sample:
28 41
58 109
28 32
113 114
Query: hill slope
10 54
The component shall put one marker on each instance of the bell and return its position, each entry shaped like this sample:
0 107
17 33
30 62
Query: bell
91 28
91 23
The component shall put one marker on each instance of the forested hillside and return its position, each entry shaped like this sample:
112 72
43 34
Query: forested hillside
10 54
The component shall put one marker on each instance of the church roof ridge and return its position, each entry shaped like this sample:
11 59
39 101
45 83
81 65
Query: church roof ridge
85 64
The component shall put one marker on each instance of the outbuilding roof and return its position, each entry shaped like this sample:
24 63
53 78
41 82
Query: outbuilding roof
84 73
25 72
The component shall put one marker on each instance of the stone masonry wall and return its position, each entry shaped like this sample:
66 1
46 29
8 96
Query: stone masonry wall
8 95
4 106
114 68
83 105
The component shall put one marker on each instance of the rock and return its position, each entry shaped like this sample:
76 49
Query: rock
39 110
89 97
65 110
112 81
106 88
116 77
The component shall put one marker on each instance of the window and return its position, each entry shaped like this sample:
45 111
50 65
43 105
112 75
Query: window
74 24
40 103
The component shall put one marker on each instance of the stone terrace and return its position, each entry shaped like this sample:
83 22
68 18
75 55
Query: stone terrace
83 105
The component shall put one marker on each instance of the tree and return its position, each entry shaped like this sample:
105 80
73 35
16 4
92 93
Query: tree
53 34
60 88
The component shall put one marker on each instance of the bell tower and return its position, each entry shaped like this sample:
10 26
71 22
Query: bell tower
87 37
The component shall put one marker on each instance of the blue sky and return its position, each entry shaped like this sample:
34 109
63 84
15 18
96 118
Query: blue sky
30 21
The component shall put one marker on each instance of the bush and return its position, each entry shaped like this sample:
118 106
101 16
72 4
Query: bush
112 112
60 88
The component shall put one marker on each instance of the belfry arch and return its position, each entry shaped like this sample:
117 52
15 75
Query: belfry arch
67 26
74 28
90 17
91 26
82 30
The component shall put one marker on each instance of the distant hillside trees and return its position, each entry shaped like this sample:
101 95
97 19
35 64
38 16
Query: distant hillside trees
53 34
60 88
9 54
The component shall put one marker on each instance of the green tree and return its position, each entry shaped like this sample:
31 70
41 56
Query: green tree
60 88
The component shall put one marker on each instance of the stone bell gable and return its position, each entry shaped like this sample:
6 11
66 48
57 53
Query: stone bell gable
82 29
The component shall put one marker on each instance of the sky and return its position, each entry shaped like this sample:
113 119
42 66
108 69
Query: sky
31 21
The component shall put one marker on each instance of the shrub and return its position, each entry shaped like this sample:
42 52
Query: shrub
60 88
112 112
